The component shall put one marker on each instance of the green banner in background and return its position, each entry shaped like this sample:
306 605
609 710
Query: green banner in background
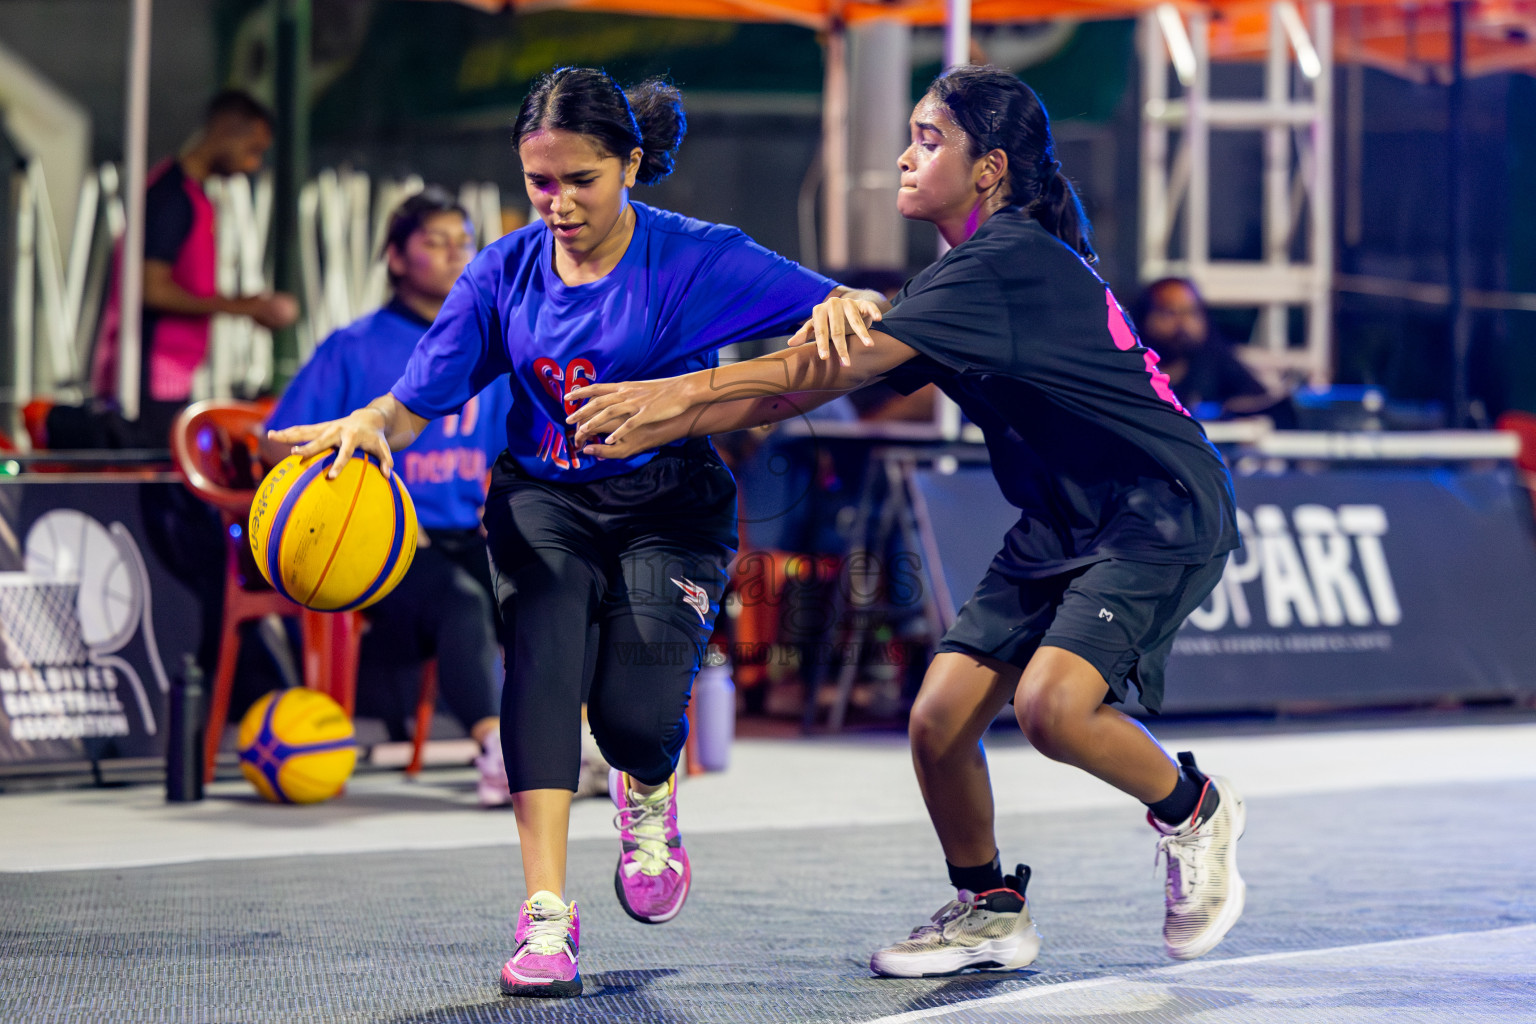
384 66
388 65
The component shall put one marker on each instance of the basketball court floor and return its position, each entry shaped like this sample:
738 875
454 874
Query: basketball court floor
1391 865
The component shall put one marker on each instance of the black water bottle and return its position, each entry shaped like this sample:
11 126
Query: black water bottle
184 736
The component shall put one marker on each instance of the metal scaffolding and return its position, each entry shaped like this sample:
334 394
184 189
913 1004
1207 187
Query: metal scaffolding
1295 117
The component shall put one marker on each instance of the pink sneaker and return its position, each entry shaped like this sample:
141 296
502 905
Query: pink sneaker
548 942
653 875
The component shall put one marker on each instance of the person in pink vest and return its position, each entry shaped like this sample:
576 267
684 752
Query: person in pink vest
180 266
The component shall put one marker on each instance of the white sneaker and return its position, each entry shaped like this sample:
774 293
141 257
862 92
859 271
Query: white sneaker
492 790
990 931
1204 893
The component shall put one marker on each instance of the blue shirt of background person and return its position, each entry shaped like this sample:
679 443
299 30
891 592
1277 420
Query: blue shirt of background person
445 468
510 313
443 607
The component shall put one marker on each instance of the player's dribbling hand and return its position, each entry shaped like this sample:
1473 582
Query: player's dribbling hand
361 430
832 319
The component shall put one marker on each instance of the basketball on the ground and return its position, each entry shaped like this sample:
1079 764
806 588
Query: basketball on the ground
332 545
296 746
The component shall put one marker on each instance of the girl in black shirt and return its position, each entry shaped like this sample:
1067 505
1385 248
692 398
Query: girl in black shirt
1126 511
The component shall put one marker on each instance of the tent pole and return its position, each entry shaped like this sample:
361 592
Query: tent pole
1461 325
1322 244
131 265
957 51
957 32
879 88
834 141
291 167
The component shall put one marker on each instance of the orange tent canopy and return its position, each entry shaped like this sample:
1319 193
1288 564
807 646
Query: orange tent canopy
1411 41
821 14
1408 39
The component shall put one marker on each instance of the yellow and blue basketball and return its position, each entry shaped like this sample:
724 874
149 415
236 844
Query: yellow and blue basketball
296 747
332 545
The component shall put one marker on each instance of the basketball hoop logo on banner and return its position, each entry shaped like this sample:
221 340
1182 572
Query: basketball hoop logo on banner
82 596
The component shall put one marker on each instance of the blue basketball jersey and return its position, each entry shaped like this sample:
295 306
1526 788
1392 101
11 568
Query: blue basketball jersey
682 290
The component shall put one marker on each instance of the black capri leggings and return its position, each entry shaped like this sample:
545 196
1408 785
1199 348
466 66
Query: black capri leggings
608 591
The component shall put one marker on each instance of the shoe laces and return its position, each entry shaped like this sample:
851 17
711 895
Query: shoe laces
956 910
646 819
1185 855
548 929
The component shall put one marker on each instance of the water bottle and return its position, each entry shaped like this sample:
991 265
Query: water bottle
184 736
714 698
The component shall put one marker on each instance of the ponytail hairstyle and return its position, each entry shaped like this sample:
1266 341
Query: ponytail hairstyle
997 111
586 101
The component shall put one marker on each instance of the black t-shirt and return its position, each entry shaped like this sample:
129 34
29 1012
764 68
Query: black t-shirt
1216 375
167 215
167 223
1086 437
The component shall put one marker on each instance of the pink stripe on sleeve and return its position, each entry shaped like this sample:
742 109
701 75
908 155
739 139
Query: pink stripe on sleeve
1125 340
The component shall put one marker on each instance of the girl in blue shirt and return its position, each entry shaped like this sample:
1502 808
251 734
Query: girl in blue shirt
608 573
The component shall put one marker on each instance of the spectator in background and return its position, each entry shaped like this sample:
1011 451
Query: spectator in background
180 265
1211 382
443 608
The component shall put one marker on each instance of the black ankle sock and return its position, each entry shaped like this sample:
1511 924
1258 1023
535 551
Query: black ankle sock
1181 803
982 878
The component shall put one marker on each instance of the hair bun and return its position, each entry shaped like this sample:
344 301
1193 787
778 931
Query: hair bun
658 109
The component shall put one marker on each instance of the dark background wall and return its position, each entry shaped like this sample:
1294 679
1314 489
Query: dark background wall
404 87
1403 345
82 46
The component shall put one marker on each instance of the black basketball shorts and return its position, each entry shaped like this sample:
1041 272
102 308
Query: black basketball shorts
1119 615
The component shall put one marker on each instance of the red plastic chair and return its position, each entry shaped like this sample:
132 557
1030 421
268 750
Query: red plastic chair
217 450
1523 425
34 416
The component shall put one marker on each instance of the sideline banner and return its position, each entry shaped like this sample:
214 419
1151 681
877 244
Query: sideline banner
92 617
1354 587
